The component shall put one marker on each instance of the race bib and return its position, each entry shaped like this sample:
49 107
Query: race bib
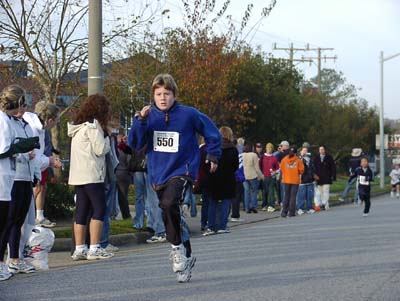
167 142
363 180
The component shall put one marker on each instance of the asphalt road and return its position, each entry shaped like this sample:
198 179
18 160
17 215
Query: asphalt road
333 255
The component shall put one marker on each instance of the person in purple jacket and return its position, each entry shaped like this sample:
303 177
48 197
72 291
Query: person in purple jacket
169 129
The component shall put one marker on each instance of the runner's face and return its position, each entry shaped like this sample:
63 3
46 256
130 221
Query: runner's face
163 98
364 163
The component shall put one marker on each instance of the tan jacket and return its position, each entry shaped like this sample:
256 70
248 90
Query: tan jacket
88 150
251 166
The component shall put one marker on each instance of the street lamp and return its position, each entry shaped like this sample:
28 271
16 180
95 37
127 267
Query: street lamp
381 124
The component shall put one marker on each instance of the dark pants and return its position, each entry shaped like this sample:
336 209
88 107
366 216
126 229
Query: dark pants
123 182
205 202
268 192
90 199
289 203
4 227
21 197
171 196
366 198
237 200
278 191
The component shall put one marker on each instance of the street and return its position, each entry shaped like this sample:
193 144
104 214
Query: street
333 255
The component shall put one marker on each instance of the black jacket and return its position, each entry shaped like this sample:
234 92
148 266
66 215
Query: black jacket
222 183
325 170
308 176
364 179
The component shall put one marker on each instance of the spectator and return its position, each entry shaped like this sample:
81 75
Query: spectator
11 98
395 181
46 116
270 167
169 129
354 162
325 173
21 194
259 152
364 177
291 167
222 185
305 195
239 190
202 184
139 182
89 146
283 151
253 175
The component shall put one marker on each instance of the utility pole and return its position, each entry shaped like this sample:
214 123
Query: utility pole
292 51
319 58
382 59
95 53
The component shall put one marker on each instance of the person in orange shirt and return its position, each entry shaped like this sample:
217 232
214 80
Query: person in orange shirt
291 168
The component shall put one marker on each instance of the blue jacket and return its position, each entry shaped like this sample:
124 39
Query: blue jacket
161 131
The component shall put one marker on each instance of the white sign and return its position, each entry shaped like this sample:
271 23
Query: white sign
385 141
394 141
167 142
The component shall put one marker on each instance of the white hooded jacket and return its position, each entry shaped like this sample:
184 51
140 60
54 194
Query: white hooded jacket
88 150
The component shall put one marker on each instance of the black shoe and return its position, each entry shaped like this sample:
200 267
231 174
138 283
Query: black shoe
254 210
248 211
283 214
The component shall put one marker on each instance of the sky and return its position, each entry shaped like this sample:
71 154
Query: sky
358 30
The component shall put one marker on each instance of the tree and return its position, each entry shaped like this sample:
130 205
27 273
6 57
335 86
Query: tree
51 36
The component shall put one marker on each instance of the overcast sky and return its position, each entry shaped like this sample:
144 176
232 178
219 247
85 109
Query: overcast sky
357 29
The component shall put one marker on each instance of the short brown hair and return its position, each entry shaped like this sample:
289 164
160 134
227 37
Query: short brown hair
164 80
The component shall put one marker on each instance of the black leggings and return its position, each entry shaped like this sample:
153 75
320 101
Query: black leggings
366 198
21 197
4 231
90 197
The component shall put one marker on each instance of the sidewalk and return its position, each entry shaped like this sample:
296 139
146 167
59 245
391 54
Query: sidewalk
59 257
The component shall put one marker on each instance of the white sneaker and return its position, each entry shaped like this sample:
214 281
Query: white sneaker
208 232
79 255
271 209
179 259
300 212
156 239
20 267
99 253
365 214
186 274
311 211
341 199
236 220
46 223
223 231
111 248
4 273
264 209
327 206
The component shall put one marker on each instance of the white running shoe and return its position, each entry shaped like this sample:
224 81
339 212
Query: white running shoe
99 253
365 214
20 267
327 206
4 273
111 248
46 223
311 211
186 274
300 212
156 239
271 209
178 258
79 255
208 232
223 231
236 220
341 199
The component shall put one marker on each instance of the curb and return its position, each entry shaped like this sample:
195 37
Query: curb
65 244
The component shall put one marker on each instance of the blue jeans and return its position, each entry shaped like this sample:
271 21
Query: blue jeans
139 181
348 188
305 197
218 212
154 213
250 194
205 202
111 190
191 201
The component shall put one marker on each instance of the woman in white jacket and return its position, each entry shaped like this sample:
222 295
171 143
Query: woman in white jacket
11 98
90 143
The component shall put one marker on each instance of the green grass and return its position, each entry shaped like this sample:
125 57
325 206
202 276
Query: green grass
116 227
